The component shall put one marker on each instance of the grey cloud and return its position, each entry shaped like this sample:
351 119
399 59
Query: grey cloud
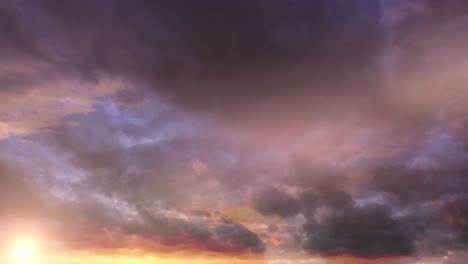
417 184
239 236
249 57
456 215
328 196
169 233
185 51
272 201
361 231
17 41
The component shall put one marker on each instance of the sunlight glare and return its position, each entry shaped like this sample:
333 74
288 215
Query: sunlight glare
24 250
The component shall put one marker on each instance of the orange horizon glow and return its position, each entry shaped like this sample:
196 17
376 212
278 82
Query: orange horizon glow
91 258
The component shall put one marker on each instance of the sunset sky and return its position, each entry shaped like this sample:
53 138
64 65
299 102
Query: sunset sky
233 131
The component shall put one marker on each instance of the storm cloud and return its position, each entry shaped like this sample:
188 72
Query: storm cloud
362 231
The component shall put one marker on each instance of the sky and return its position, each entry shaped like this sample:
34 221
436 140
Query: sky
238 132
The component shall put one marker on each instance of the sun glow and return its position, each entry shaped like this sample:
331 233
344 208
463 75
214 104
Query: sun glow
24 250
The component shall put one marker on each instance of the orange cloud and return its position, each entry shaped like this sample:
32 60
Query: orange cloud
275 242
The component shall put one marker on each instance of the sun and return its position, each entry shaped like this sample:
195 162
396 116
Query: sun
24 250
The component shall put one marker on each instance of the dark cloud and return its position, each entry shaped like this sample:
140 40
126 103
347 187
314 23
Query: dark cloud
239 46
17 42
404 183
238 238
16 49
327 196
456 215
210 55
361 231
85 225
241 57
272 201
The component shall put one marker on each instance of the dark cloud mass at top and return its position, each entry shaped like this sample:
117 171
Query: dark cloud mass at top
273 129
208 55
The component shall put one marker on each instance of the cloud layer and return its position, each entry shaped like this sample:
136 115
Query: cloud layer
285 129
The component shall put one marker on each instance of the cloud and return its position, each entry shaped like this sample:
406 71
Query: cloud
95 226
186 58
265 55
239 238
164 157
22 198
114 183
361 231
135 114
17 40
456 215
272 201
418 185
37 91
314 201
